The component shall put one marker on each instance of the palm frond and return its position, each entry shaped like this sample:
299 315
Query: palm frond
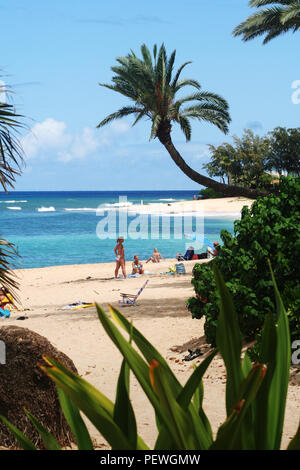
155 124
148 82
185 127
125 111
277 18
11 153
176 78
8 256
186 82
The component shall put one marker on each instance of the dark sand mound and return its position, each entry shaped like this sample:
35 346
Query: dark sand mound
24 385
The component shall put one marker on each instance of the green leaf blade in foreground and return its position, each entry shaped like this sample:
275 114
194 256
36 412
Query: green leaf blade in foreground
263 421
75 421
97 408
229 434
23 441
200 421
179 419
147 349
49 441
123 411
279 385
229 342
295 442
138 366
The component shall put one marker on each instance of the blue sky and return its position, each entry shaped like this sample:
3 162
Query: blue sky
55 53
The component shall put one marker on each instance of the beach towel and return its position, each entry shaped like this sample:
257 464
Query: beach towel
77 305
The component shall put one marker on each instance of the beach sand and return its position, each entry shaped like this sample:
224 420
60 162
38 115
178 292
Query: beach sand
161 316
227 206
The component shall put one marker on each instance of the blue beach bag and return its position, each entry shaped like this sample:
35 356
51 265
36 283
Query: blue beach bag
4 313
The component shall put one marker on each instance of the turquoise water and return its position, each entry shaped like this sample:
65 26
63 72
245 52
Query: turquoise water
59 228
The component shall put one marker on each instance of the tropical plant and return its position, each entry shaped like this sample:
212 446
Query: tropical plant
255 394
284 150
267 230
208 193
11 154
153 87
279 17
244 163
11 158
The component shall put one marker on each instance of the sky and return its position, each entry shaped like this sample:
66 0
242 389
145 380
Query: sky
57 52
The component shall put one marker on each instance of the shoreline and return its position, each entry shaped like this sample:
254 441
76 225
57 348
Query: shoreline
228 206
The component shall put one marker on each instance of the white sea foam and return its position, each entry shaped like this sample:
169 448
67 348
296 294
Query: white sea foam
118 204
170 199
80 209
15 208
46 209
11 202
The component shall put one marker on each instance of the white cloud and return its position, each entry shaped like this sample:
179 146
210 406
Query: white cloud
50 138
195 151
49 135
115 129
2 92
82 145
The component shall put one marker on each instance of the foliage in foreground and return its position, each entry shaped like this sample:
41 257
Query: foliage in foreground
255 394
269 230
11 158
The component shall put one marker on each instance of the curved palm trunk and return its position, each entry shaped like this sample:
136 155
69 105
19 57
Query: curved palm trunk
164 136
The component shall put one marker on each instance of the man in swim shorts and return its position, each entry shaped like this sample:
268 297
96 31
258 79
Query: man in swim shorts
120 257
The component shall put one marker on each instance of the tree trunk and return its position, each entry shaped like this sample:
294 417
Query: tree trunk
164 136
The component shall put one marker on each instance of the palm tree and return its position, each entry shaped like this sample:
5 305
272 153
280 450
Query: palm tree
11 157
153 88
278 18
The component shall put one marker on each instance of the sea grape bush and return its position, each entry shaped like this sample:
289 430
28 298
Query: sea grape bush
268 230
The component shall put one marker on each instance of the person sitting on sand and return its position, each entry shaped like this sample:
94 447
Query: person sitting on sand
6 302
155 257
120 257
137 267
6 299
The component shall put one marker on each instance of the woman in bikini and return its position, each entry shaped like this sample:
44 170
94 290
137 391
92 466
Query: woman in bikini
137 267
120 257
155 257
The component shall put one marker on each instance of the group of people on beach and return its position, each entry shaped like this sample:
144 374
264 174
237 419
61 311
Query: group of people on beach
137 267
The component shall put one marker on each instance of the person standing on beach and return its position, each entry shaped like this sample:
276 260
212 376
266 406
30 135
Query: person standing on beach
120 257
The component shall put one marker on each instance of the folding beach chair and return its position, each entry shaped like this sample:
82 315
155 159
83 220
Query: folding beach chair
130 299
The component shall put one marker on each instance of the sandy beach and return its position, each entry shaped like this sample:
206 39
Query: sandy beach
161 316
227 206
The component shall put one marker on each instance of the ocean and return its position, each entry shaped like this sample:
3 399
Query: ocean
62 228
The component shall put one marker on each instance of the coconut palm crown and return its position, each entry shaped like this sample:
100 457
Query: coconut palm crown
154 87
279 16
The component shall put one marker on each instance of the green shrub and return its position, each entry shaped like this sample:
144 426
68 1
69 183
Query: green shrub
209 193
269 230
255 394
